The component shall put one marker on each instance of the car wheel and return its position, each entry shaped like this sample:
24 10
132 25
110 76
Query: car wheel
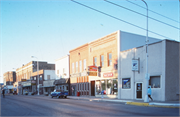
51 96
65 96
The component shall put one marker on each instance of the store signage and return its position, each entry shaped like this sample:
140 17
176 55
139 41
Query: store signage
109 74
135 65
23 80
92 73
27 84
33 82
92 68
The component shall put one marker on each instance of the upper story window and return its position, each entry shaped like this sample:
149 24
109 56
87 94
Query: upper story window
40 78
95 61
76 66
57 71
84 67
72 67
80 66
109 59
48 77
102 60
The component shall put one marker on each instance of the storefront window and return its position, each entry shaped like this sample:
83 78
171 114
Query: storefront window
115 87
109 87
98 87
154 81
126 83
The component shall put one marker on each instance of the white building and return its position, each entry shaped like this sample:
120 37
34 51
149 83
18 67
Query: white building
163 67
62 73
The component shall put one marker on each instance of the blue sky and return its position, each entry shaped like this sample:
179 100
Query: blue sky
48 29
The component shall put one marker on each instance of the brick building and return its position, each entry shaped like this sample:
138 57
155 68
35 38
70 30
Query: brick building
24 74
79 79
103 56
9 77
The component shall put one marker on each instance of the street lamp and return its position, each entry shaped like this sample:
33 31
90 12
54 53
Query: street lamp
146 75
37 72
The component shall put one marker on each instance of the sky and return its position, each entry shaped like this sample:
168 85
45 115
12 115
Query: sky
48 29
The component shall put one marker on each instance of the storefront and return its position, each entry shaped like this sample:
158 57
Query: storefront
48 86
28 86
62 84
106 82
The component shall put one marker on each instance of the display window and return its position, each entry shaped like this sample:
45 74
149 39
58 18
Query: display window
109 86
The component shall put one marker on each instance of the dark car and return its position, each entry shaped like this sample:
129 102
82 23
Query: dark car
59 94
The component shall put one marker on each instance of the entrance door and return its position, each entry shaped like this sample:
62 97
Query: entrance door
138 90
92 88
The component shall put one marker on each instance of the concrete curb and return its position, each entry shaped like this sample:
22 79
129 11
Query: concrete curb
154 104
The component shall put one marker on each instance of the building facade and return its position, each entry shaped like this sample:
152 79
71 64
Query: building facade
163 69
79 78
62 81
24 74
10 77
103 55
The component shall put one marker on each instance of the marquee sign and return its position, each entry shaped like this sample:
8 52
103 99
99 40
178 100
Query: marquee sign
92 68
109 74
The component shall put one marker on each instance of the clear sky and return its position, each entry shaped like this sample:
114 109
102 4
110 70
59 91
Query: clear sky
48 29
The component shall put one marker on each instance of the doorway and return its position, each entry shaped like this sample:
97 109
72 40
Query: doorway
92 88
138 88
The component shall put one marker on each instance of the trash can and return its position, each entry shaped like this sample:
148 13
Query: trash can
78 93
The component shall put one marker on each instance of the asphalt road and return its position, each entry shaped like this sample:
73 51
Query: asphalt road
14 105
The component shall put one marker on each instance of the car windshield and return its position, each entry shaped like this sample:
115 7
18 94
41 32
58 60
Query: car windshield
58 90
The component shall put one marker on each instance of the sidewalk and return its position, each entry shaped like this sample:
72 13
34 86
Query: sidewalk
165 104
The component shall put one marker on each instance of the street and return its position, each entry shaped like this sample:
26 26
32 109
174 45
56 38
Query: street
15 105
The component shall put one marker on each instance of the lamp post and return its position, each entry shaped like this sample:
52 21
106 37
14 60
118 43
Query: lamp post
146 75
37 72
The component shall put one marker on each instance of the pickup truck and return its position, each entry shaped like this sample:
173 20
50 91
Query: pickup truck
59 94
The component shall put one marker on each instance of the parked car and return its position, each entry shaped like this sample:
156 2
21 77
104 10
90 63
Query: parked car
59 94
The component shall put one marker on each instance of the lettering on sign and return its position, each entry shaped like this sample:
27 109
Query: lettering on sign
92 73
110 74
92 68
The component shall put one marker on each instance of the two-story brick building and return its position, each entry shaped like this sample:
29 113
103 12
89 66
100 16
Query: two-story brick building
103 55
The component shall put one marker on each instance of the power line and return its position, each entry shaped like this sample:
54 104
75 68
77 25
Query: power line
141 14
118 19
153 11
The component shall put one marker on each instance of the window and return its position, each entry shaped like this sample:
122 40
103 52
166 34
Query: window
80 66
40 78
95 61
72 67
85 86
34 78
102 60
82 86
126 83
76 66
57 71
88 86
154 81
66 87
109 59
84 67
48 77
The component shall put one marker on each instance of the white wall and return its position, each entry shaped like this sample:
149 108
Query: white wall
155 68
60 64
130 40
49 72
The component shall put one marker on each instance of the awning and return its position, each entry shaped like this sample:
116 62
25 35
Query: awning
48 86
61 81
